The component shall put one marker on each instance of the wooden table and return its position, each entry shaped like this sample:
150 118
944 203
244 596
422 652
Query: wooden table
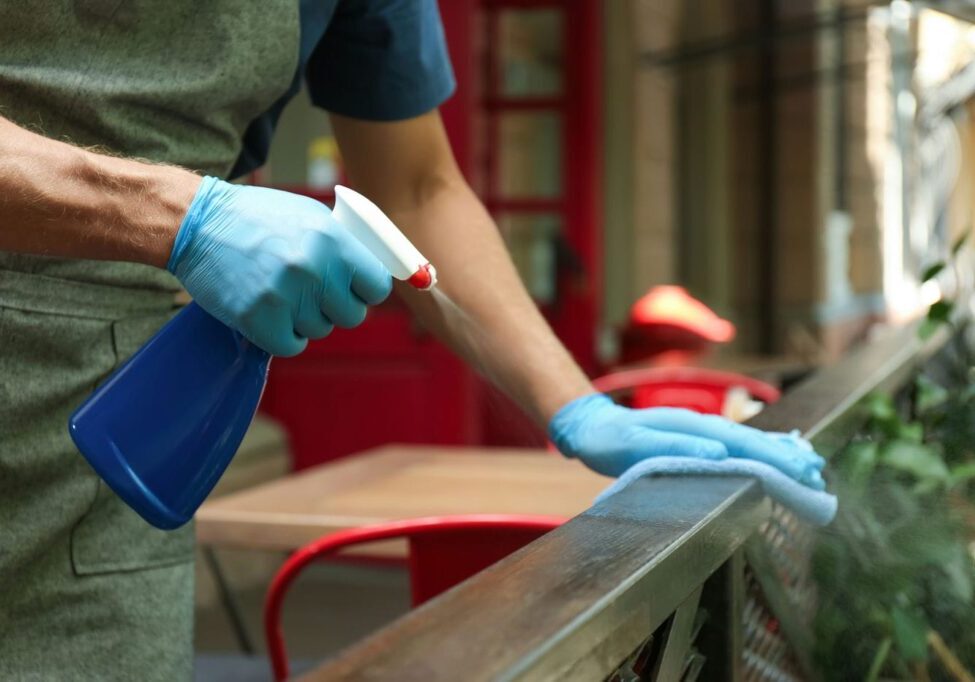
395 482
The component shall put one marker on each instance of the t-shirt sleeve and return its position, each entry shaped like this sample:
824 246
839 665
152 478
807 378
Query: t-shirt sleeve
381 60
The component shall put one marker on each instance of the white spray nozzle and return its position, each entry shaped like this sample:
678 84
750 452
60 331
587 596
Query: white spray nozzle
369 225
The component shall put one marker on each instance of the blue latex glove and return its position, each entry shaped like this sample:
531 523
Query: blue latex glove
610 438
274 265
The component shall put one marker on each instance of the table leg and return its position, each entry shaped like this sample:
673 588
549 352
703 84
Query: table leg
229 601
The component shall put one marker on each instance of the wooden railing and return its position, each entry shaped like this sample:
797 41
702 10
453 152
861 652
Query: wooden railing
670 579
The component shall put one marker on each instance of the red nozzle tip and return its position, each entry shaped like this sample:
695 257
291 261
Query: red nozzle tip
424 278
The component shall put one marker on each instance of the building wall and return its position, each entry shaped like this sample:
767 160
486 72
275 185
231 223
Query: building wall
704 157
685 180
682 174
640 247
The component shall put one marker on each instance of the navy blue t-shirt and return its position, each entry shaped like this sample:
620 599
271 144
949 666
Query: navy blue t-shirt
379 60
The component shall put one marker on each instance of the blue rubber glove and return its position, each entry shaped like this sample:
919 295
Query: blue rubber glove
610 438
274 265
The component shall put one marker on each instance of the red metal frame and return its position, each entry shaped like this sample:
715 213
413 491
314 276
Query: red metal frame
458 112
583 189
444 550
576 315
577 311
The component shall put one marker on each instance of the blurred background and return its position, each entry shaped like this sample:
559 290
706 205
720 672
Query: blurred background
739 190
792 164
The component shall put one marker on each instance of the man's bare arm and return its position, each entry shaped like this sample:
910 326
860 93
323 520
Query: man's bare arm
271 264
60 200
409 170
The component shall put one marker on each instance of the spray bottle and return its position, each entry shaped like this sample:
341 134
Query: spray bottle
161 430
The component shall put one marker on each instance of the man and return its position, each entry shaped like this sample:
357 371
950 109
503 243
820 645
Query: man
113 113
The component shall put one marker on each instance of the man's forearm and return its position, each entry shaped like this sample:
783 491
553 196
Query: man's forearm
500 329
407 168
61 200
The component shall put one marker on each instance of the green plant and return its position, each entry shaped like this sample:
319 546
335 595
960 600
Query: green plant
895 574
894 567
939 313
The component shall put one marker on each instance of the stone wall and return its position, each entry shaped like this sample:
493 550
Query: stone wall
684 187
640 138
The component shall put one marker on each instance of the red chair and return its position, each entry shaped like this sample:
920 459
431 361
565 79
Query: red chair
443 551
693 388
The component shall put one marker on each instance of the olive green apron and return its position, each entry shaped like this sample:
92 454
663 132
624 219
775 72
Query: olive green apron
87 589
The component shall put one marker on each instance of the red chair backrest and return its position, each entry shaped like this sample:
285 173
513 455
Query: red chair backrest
442 559
444 551
693 388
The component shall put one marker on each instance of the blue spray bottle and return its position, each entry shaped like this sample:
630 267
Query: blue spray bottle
164 426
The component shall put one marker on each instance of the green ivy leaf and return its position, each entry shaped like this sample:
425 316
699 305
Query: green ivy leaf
859 462
926 487
932 271
959 572
940 310
881 407
910 633
911 431
879 658
931 539
962 473
938 314
960 242
917 459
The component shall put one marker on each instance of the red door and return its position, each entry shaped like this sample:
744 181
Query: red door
387 382
535 161
539 158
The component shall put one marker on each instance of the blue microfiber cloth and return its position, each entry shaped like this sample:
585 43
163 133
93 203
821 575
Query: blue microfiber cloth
814 506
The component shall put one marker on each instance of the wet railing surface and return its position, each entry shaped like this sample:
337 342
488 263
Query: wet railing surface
670 579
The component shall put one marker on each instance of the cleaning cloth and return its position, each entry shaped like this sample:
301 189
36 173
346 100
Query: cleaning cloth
814 506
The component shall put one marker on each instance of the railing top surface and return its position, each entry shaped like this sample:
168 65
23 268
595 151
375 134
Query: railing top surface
568 605
620 568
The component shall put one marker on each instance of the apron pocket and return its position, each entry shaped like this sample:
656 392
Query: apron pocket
110 536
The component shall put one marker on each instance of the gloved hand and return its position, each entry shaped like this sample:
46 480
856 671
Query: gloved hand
273 265
610 438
